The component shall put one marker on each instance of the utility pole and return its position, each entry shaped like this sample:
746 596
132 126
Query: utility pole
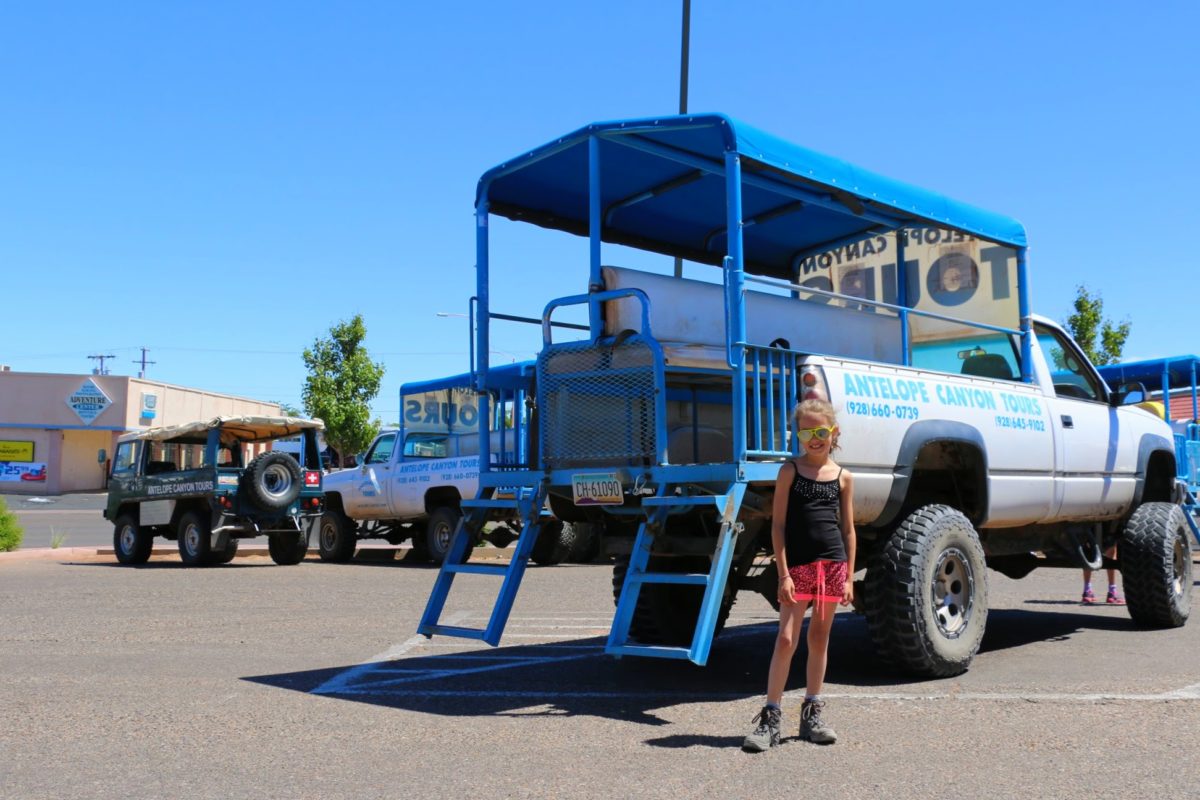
683 56
101 358
683 85
143 362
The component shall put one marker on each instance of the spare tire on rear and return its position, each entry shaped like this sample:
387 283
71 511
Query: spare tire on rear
273 480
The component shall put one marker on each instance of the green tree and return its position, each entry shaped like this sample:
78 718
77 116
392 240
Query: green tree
288 410
1101 340
342 380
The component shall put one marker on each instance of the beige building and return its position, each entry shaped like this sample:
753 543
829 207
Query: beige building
57 432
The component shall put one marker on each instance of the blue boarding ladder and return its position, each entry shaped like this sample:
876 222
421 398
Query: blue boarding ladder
503 491
657 509
527 501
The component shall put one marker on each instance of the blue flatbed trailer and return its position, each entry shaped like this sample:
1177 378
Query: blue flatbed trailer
1167 376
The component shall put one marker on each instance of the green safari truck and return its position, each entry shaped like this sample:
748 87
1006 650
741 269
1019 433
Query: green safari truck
198 485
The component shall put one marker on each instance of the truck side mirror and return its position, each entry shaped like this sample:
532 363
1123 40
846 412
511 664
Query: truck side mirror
101 456
1129 394
359 460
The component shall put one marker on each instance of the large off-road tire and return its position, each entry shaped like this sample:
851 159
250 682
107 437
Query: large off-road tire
273 480
131 542
1156 565
554 543
337 536
439 532
288 547
194 535
926 594
586 547
666 613
420 547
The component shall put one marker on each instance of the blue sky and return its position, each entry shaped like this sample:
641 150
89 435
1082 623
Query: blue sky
220 182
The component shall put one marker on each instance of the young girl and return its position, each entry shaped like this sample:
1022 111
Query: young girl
813 535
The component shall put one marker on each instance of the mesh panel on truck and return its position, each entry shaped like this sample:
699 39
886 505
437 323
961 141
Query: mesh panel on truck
596 404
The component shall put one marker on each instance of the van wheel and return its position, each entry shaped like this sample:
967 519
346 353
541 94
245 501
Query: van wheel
194 533
439 532
131 542
288 547
926 594
1156 566
336 538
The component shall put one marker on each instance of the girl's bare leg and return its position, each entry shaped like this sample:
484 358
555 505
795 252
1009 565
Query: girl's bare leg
819 627
791 621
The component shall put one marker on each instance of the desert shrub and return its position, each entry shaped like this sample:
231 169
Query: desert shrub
10 530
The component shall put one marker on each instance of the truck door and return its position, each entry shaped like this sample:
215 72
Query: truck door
1095 457
369 498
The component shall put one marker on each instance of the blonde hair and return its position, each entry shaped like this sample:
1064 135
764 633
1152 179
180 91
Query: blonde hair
817 408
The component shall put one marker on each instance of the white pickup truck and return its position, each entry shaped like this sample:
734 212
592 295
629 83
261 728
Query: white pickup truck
412 480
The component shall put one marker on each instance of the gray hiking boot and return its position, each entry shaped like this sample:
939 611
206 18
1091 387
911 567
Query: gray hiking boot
766 735
812 728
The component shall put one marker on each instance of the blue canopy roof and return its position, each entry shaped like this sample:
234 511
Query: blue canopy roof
504 376
1150 372
663 189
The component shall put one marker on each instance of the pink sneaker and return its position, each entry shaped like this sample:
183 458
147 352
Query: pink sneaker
1114 599
1089 597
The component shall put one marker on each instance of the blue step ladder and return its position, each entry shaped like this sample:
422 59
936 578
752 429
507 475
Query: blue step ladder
528 502
657 509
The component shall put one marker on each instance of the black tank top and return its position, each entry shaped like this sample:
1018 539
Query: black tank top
811 531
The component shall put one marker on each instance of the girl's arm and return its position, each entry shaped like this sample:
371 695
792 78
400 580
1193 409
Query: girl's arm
849 537
783 487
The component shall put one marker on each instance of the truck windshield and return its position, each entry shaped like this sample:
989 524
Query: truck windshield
381 453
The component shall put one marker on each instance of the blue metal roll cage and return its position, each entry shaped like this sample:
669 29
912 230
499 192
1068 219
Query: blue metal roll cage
813 181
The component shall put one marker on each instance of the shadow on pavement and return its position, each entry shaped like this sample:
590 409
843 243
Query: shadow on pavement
574 677
685 740
1014 627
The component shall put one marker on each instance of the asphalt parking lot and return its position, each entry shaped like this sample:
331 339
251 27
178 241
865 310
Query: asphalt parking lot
258 681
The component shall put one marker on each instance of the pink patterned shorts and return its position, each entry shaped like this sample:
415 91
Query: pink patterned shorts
820 580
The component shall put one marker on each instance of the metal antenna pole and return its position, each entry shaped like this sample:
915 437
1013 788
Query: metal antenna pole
683 85
143 362
101 359
683 57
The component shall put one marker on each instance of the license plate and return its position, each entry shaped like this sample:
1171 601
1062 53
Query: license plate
596 489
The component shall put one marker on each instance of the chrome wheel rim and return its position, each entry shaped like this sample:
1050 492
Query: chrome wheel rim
328 535
277 480
1181 563
191 538
128 539
441 536
952 590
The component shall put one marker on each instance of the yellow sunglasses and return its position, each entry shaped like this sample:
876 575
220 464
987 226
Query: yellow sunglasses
806 434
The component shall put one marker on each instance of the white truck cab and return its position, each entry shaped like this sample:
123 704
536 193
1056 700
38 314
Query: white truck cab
412 480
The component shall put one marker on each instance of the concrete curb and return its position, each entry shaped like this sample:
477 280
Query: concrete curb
167 550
